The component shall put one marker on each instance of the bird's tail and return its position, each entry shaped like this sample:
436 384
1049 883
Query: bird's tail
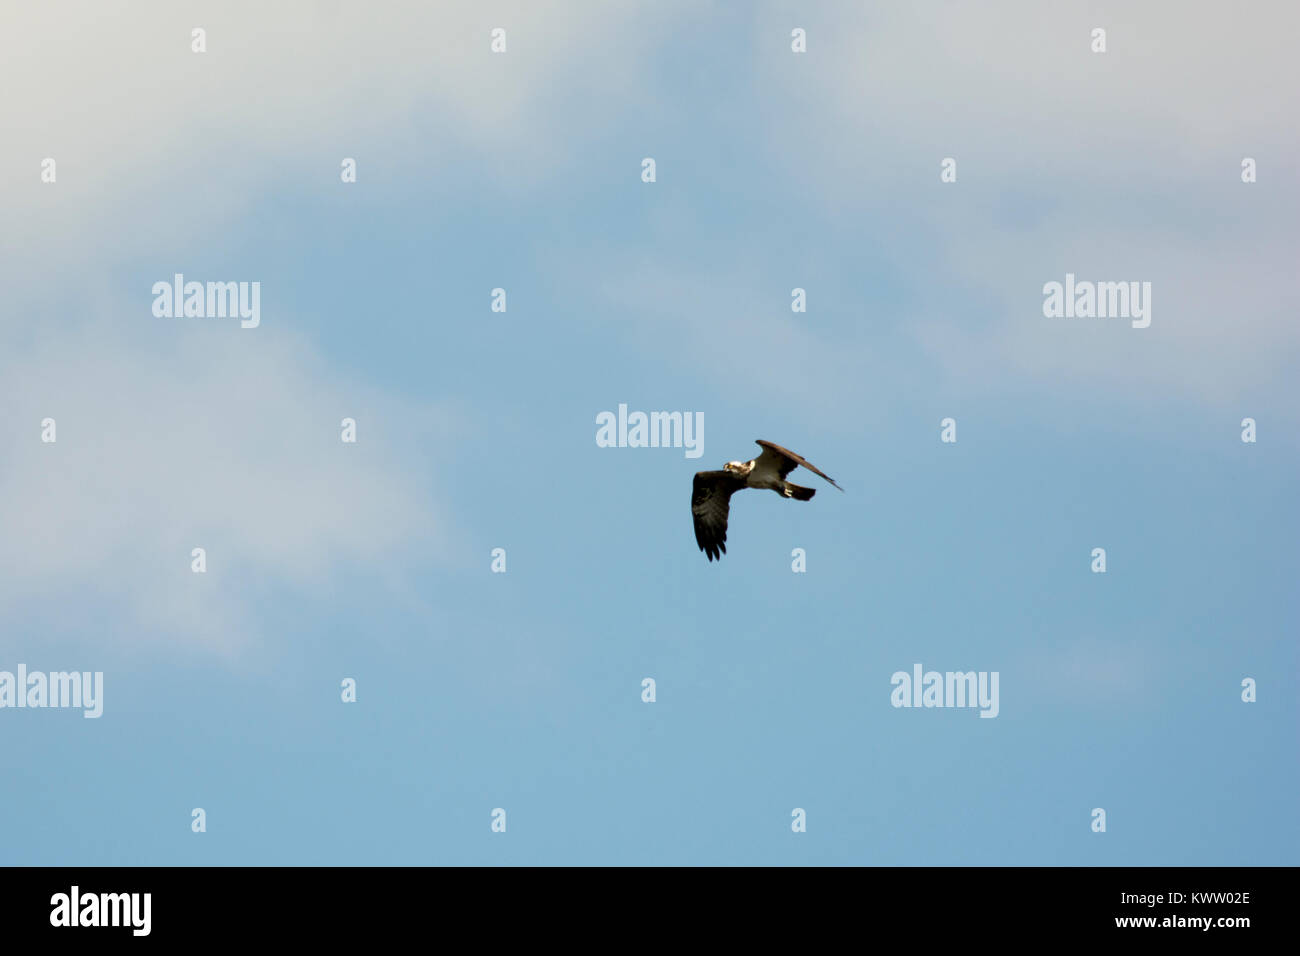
798 492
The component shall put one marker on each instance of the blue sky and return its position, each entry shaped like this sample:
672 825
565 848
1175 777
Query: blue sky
477 431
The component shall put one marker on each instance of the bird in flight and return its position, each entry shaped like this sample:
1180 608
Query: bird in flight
711 494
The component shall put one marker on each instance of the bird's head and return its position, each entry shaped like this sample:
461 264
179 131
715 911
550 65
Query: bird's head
738 468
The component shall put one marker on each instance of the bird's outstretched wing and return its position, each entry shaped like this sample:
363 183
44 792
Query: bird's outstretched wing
710 503
783 461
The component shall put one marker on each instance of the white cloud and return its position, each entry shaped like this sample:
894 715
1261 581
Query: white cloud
1115 166
115 95
1123 166
1089 672
181 433
223 439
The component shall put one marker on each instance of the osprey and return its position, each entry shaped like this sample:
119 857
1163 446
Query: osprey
711 495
